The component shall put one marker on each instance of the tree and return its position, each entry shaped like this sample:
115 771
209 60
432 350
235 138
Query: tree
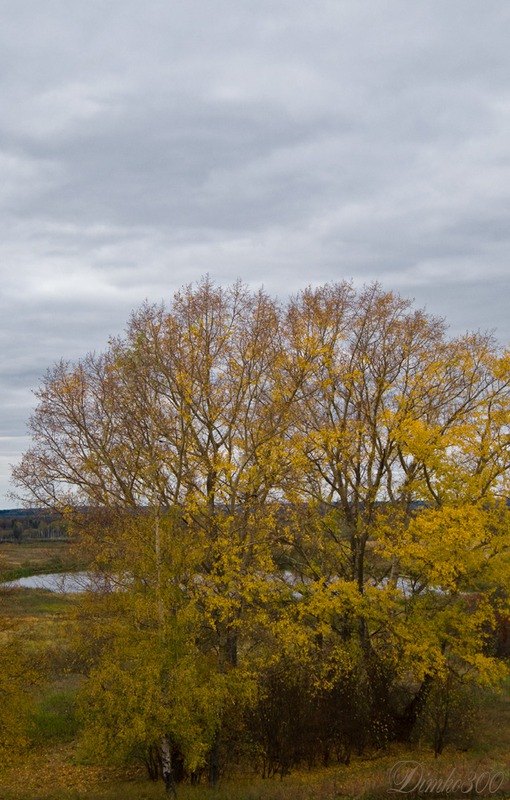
185 412
398 427
320 486
150 690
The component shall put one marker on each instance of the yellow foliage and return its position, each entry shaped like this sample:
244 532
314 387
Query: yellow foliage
323 483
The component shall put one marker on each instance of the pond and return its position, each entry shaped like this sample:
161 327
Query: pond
61 582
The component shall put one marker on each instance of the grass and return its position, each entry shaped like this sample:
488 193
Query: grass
54 776
54 719
37 556
19 604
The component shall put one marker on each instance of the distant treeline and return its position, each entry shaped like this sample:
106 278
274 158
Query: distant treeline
25 524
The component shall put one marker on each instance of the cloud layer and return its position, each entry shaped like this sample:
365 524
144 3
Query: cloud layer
282 142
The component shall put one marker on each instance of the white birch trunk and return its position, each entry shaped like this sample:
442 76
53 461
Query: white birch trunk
166 765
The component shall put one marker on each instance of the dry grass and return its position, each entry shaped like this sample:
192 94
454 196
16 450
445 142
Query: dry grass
36 554
54 773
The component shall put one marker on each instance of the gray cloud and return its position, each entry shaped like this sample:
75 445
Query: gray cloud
282 142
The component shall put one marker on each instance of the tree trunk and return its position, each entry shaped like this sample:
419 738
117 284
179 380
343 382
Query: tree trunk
166 765
214 760
406 721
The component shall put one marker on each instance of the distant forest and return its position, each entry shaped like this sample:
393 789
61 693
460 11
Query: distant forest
25 524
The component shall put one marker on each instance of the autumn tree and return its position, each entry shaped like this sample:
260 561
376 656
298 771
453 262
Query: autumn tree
312 490
402 437
186 411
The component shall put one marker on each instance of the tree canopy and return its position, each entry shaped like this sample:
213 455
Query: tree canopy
289 500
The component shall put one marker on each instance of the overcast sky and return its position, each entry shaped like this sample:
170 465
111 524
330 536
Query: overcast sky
284 142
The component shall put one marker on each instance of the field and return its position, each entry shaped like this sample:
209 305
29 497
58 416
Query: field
18 560
53 768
